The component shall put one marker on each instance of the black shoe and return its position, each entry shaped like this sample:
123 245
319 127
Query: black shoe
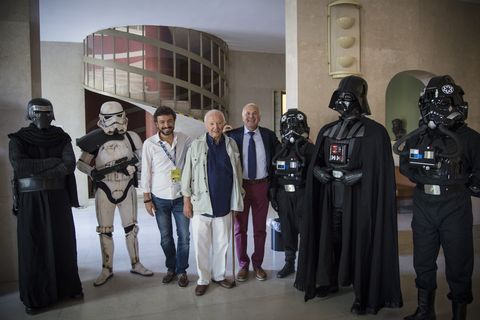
183 280
32 310
77 295
169 277
426 306
357 307
324 291
287 270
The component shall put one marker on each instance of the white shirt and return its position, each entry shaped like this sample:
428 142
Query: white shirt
259 150
157 166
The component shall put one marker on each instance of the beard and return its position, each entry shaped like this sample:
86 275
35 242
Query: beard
167 131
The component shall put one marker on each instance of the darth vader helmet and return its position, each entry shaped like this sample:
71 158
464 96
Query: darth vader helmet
441 103
350 99
112 118
293 126
40 112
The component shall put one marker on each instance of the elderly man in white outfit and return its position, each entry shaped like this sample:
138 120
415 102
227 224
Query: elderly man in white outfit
212 190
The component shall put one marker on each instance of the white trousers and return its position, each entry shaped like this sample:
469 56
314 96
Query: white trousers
211 237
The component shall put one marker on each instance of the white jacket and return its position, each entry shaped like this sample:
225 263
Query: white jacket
195 176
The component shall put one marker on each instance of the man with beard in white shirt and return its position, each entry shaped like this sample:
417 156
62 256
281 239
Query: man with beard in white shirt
163 158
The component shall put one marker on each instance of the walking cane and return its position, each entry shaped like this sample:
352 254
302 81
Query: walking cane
233 248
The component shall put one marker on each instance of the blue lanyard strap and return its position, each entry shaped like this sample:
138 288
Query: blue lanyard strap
168 154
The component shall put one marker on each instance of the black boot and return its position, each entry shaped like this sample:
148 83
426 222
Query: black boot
287 269
426 306
357 307
459 311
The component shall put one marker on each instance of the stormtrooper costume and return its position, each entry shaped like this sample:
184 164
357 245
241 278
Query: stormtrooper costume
111 157
442 157
287 188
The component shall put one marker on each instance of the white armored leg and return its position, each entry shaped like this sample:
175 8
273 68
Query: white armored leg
106 245
132 247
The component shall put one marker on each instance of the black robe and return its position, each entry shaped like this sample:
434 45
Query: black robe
47 253
369 257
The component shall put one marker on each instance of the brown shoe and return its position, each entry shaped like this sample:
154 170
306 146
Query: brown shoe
242 275
260 274
201 289
182 280
225 283
169 277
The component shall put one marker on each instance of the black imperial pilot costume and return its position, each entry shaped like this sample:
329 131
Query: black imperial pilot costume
287 189
442 157
350 222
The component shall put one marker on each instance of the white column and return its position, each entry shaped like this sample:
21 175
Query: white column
291 53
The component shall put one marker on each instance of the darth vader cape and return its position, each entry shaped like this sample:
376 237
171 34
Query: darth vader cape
369 258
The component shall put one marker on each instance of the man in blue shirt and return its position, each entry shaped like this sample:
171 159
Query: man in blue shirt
212 191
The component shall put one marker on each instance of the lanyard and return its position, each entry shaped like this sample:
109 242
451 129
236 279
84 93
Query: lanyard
168 154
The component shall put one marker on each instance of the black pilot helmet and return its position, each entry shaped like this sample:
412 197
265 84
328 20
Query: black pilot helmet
40 112
441 103
350 99
294 126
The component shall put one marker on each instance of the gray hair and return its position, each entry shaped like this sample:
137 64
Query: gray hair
251 104
212 112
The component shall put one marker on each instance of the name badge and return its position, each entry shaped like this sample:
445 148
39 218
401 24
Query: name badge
176 174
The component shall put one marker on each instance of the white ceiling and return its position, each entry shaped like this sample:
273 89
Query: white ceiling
246 25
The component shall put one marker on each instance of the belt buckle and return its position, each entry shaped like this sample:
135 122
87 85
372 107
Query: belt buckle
289 188
337 174
433 189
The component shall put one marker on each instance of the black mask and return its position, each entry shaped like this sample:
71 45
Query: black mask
293 126
441 103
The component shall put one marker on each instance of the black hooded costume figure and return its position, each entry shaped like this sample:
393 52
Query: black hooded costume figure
442 157
287 187
349 234
44 193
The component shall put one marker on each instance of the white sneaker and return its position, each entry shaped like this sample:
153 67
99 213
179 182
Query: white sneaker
103 277
138 268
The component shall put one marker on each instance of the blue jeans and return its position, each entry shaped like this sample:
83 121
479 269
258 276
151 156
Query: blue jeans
176 260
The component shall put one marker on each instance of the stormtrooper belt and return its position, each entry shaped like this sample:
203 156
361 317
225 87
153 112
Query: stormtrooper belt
436 190
39 184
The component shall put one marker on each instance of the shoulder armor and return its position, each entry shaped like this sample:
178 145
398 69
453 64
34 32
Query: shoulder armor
92 141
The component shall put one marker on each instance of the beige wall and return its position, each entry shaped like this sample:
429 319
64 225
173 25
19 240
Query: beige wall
62 85
19 81
438 36
253 78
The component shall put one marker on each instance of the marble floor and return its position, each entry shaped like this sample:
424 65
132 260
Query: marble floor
132 297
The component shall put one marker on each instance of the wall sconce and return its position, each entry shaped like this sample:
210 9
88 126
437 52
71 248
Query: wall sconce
343 38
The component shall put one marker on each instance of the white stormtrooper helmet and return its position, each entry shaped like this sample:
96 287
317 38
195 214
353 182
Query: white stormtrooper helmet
112 118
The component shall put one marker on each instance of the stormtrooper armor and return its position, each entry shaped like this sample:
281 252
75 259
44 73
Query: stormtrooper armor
111 157
287 188
441 157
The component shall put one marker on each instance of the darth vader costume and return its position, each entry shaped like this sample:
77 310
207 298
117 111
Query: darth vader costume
44 192
350 224
442 157
287 188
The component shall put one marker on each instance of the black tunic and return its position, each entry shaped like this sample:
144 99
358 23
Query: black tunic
369 255
47 251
